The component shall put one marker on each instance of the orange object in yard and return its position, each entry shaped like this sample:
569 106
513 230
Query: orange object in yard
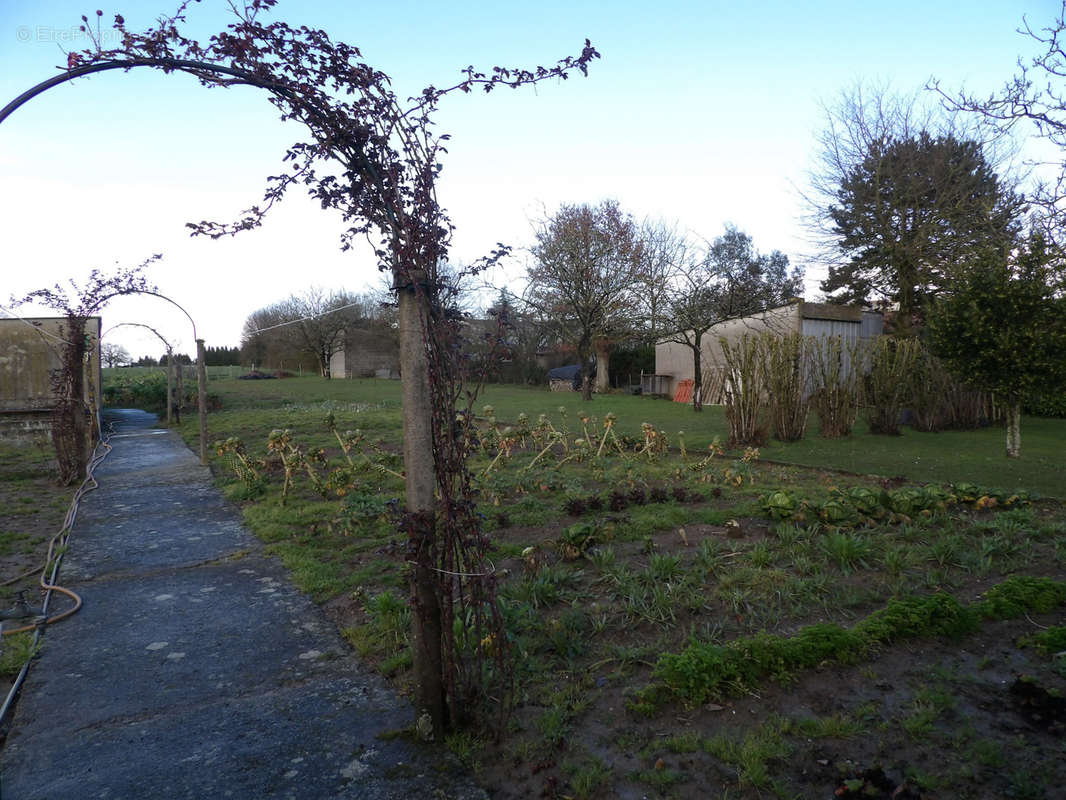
684 391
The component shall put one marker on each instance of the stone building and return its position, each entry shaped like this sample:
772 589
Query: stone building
29 354
367 353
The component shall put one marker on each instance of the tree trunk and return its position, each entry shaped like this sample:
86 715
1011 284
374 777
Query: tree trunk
603 361
586 381
421 508
697 376
201 398
80 428
1014 429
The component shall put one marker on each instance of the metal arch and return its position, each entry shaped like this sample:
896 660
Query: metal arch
179 64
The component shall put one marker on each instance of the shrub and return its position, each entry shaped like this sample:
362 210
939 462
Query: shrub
889 386
835 371
745 396
1046 404
789 403
940 401
146 391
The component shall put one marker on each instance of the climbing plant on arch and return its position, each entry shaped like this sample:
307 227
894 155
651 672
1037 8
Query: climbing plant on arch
388 160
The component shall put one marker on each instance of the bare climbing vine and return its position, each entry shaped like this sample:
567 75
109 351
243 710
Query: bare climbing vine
72 415
385 190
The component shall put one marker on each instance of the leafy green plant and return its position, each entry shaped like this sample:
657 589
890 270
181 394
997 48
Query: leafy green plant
1050 641
576 540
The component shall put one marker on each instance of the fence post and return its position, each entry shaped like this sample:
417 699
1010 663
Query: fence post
201 385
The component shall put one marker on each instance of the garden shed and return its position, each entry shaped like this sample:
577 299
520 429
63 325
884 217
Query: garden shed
28 357
851 323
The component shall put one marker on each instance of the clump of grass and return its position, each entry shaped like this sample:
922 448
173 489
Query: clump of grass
705 670
1050 641
752 754
688 742
587 776
544 588
836 726
553 726
663 568
850 551
18 649
1021 593
660 779
385 634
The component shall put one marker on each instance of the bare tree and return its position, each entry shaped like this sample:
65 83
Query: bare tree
308 326
665 254
728 281
1034 101
319 319
588 261
114 354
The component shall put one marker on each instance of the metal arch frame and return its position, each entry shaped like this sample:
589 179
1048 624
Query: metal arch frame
170 359
167 64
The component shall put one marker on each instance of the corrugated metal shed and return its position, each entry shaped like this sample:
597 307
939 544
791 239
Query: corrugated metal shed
873 324
849 331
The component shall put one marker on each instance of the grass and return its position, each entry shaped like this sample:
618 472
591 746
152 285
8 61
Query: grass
32 509
974 456
608 566
18 649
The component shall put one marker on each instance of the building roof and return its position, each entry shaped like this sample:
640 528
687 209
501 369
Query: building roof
830 311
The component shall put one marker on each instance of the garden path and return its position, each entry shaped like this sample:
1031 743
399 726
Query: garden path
195 669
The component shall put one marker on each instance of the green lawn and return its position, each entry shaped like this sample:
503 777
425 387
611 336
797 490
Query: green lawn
975 456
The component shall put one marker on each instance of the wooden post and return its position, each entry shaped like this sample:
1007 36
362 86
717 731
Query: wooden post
170 386
420 484
201 385
180 372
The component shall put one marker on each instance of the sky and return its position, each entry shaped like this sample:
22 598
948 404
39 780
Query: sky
699 113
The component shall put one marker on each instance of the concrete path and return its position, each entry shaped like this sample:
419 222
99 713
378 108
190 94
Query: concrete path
195 669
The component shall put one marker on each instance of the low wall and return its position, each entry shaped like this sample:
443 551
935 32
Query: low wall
25 426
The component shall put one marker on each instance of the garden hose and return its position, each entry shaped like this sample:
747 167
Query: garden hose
48 581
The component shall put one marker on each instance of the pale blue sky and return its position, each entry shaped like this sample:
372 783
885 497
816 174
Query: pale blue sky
704 113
